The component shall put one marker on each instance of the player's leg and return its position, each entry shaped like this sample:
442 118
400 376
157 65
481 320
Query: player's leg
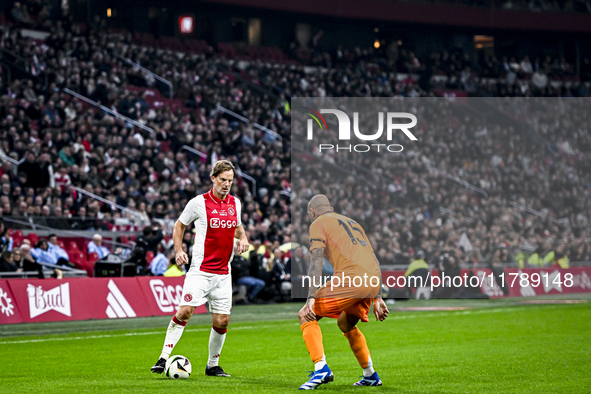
313 339
176 328
217 337
173 335
220 300
348 325
194 290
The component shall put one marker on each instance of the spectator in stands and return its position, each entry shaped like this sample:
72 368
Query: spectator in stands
44 219
150 238
66 155
560 257
20 16
247 276
418 268
31 169
526 66
173 268
82 221
96 246
61 177
418 263
160 263
281 274
24 261
60 254
59 220
41 253
45 177
6 264
148 241
6 241
449 267
240 269
30 253
299 269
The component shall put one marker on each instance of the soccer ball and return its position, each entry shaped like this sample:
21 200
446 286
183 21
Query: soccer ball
178 367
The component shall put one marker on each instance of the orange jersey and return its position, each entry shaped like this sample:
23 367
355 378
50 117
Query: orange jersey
346 247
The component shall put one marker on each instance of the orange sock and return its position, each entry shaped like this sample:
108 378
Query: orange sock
359 346
313 339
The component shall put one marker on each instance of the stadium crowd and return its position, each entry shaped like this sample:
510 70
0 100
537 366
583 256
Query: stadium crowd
399 71
66 143
520 183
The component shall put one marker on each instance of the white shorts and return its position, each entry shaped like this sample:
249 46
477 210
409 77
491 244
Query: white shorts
200 287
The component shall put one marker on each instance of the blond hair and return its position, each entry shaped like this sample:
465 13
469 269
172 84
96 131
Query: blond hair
222 166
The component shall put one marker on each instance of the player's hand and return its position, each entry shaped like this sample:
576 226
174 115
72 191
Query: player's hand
242 245
380 309
181 258
308 310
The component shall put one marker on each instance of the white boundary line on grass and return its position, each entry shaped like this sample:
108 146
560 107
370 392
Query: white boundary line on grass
129 334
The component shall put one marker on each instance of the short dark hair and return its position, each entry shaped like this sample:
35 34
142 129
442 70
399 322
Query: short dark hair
51 235
222 166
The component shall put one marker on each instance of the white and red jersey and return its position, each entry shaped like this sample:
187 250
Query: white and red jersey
215 224
62 180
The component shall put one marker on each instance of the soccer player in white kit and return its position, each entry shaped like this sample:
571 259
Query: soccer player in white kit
217 223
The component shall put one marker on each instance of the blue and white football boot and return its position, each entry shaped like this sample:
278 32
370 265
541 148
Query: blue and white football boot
322 376
373 380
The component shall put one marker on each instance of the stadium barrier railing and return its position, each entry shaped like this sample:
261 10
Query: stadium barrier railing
146 71
110 111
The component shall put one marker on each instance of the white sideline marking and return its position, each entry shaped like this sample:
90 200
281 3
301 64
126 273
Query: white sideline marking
129 334
73 338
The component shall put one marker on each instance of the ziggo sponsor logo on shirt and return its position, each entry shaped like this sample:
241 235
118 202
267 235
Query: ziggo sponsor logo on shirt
217 223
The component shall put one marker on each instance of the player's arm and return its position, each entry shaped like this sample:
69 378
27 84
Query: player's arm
315 275
315 271
188 216
379 306
240 235
181 257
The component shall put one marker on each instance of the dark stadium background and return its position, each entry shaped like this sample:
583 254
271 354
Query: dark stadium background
421 26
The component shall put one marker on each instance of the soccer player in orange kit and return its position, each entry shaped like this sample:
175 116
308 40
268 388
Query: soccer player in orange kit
344 244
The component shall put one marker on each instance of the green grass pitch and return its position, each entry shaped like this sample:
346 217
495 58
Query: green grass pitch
496 346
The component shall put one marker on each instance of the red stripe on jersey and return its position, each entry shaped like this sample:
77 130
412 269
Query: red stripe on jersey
219 238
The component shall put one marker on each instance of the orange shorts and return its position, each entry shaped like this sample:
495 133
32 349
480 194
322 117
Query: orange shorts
333 307
351 300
